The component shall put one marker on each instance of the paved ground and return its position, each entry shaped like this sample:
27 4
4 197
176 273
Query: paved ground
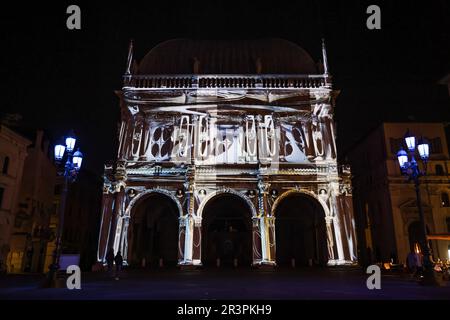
348 284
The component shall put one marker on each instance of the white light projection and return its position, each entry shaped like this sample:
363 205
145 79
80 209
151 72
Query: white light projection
195 132
295 144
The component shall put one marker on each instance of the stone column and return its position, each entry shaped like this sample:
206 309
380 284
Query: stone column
188 222
256 241
123 245
263 223
337 227
188 239
181 239
197 241
105 226
116 222
270 244
113 222
330 239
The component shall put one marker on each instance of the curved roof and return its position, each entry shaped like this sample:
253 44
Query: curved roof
266 56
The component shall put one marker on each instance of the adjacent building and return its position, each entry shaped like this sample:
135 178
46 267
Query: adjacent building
385 202
227 155
34 208
13 151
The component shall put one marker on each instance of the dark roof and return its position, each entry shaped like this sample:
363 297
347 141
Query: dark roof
270 56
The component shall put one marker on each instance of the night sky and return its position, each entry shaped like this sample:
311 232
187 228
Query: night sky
60 79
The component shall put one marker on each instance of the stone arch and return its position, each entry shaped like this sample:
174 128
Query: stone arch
301 192
305 238
227 191
227 234
150 191
125 225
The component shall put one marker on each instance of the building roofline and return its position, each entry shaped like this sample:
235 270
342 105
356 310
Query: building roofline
14 135
382 124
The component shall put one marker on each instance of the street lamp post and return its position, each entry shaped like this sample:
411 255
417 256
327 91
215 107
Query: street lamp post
70 172
410 168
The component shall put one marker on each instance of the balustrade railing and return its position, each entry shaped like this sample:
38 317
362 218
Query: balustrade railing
224 81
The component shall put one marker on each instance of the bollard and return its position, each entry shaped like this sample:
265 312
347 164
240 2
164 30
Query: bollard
293 262
235 262
310 262
161 263
218 262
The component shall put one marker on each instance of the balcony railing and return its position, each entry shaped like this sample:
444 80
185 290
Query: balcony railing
225 81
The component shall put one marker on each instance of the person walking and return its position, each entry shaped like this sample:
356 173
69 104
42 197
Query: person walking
119 262
110 259
411 262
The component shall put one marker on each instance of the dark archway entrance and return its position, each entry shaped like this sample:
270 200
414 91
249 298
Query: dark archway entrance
227 231
415 235
154 232
300 232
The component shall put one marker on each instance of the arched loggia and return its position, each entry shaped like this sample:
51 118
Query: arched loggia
301 235
153 231
227 231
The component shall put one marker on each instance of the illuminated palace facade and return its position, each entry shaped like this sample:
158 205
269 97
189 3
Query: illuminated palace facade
227 156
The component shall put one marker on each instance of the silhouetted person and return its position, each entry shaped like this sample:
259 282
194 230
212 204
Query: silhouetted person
411 262
119 262
110 259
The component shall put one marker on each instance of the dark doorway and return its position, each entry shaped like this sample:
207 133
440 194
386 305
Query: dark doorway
227 232
300 232
415 235
154 232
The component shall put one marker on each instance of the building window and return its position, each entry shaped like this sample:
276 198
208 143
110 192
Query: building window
5 165
435 146
439 170
444 199
448 224
2 191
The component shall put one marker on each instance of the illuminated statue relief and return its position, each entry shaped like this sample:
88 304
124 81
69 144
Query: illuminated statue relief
317 140
334 213
323 196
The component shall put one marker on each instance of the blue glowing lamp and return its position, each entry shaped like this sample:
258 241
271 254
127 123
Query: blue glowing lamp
77 159
424 149
70 141
410 141
59 152
402 157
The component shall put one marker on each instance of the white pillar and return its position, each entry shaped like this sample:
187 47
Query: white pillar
264 238
337 232
189 239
